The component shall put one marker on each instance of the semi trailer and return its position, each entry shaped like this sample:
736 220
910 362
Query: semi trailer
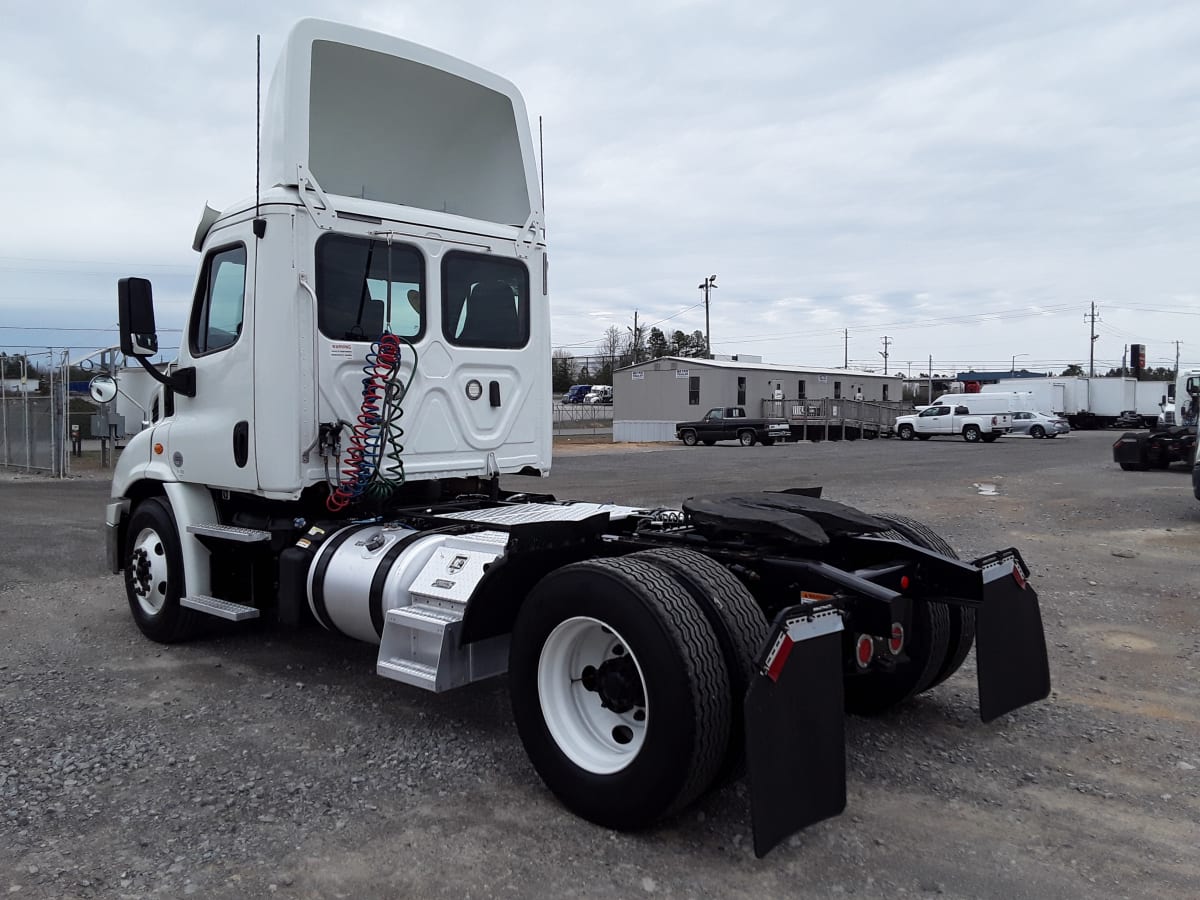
352 440
1090 402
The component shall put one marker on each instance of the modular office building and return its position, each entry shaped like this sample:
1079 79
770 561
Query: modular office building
650 397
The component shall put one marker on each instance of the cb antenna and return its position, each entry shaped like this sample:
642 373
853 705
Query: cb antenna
542 173
260 226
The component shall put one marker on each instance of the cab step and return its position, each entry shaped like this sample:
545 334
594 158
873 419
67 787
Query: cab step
222 609
421 646
229 533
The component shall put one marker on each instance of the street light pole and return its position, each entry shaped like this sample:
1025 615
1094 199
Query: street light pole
708 284
1013 372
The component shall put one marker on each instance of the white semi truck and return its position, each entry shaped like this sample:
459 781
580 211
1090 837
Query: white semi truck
1173 437
367 356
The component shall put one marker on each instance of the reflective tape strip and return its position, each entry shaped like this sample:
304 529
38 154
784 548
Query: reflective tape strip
799 629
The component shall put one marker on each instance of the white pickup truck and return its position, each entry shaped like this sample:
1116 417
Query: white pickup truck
946 419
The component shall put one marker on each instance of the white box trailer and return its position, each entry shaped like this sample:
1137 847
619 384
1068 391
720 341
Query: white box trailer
1089 402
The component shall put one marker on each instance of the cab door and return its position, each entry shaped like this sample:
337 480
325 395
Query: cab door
712 426
211 440
934 420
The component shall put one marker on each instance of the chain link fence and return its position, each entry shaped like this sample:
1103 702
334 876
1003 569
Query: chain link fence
33 426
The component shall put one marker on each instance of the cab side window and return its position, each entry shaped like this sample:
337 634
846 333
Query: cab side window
220 301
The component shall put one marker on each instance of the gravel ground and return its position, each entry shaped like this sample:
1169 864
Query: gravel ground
259 761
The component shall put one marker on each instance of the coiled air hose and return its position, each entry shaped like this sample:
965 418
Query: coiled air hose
373 464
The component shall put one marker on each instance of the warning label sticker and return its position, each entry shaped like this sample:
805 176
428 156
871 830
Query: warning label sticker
341 351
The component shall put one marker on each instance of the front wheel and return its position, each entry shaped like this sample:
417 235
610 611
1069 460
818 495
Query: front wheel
746 438
154 574
689 438
972 434
619 690
906 432
1037 431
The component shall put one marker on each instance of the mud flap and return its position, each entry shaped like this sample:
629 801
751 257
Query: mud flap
795 729
1010 646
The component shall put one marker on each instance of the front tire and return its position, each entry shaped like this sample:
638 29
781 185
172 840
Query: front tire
906 432
1037 431
154 580
971 434
619 691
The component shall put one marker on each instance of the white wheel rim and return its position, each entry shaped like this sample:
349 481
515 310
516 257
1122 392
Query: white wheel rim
599 739
149 565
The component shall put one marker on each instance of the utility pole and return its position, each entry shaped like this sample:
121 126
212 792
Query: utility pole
930 377
1176 343
637 339
884 352
708 284
1092 344
846 348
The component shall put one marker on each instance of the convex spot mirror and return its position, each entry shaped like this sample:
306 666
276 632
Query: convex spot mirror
103 388
135 312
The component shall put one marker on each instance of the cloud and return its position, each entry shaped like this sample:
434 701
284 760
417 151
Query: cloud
873 168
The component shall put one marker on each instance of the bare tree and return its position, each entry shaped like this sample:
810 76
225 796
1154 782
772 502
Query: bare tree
609 349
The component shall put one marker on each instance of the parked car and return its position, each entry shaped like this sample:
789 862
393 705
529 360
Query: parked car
952 420
1039 425
730 423
576 393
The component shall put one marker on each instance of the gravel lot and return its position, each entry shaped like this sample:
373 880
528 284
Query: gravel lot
259 761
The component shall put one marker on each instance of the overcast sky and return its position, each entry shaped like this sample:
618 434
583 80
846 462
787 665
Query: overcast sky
964 178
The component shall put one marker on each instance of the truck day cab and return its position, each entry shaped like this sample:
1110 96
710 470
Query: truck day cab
729 423
368 353
944 419
1173 439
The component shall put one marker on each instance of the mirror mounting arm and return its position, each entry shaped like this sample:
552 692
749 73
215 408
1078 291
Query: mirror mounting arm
181 381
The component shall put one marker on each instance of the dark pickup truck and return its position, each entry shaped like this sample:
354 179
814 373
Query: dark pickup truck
729 423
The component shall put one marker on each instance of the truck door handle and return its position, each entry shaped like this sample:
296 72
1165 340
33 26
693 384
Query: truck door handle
241 443
494 393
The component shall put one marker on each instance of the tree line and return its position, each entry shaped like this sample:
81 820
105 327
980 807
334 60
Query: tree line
622 348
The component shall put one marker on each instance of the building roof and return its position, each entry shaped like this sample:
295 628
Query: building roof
996 376
688 362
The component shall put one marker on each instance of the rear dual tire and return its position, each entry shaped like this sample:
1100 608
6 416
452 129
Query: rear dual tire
938 640
620 691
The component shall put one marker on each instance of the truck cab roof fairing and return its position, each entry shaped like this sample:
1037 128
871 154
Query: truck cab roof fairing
382 118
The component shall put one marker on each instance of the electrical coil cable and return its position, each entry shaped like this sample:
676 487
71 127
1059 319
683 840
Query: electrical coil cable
373 465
